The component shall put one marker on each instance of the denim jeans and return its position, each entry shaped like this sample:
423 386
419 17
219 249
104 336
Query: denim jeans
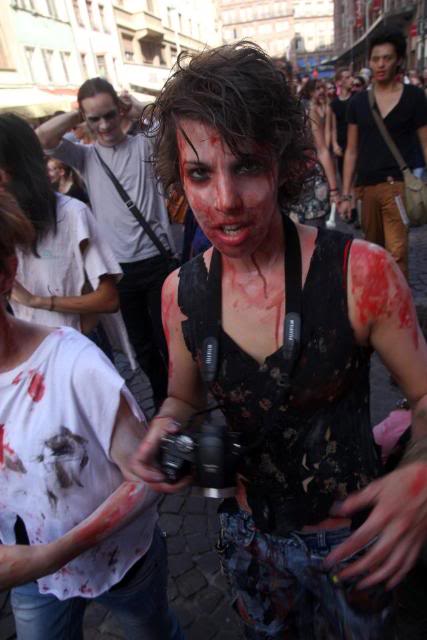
281 589
140 606
140 302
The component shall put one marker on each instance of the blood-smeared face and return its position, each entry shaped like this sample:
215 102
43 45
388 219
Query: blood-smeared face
233 198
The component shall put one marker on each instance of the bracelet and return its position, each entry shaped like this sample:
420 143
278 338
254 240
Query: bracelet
346 197
52 303
333 190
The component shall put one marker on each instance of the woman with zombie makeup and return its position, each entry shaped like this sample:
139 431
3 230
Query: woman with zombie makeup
314 538
72 513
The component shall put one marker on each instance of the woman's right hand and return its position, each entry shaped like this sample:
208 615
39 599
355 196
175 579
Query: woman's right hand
145 464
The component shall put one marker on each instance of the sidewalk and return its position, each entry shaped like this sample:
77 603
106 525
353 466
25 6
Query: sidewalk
197 590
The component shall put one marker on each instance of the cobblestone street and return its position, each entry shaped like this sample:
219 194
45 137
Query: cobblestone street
197 589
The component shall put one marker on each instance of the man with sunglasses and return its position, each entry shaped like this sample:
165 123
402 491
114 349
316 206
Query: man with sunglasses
128 158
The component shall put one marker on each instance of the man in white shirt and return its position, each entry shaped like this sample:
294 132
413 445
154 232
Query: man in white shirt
144 267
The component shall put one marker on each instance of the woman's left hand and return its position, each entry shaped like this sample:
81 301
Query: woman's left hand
21 295
397 526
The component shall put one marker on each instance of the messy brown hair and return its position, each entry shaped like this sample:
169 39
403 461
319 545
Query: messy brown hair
238 90
16 231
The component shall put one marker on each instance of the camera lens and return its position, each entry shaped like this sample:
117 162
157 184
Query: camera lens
184 444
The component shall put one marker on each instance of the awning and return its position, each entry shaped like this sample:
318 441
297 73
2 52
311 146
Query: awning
34 102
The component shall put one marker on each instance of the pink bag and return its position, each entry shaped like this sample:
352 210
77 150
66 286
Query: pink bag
388 432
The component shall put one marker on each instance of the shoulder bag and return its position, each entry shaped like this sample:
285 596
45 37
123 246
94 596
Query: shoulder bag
415 189
173 262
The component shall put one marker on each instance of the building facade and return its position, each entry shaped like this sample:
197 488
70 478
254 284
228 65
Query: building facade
314 33
300 30
49 47
39 67
357 20
268 23
153 33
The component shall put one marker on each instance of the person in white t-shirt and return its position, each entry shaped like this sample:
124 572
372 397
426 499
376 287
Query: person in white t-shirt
70 278
70 508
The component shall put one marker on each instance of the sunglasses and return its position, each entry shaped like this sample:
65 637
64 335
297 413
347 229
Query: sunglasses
110 115
356 85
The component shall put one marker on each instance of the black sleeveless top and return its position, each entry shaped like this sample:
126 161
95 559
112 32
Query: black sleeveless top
318 445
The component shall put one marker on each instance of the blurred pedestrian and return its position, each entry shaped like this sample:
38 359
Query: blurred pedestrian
379 180
358 84
66 180
70 276
129 206
313 97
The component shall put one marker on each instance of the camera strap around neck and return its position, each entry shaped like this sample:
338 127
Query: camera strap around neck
293 302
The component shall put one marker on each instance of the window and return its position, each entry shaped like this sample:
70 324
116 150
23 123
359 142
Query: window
104 23
128 52
77 12
47 59
28 5
83 62
152 52
174 55
150 6
90 14
65 59
101 66
282 26
29 54
5 62
51 8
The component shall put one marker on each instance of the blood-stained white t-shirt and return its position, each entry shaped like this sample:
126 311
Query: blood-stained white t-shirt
57 415
77 253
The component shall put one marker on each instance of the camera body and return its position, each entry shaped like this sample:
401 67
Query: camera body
211 454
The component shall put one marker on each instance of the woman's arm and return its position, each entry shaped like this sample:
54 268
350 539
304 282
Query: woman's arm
350 161
323 154
105 299
328 126
186 394
23 563
382 314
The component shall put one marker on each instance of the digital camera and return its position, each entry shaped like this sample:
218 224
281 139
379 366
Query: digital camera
211 454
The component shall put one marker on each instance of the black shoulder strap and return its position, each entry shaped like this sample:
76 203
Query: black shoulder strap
379 121
132 207
293 295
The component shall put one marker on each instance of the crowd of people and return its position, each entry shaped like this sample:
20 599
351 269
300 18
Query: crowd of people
272 317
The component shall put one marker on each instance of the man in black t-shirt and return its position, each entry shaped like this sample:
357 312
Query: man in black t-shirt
339 107
379 180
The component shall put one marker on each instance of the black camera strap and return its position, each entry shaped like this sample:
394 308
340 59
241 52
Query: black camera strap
293 301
